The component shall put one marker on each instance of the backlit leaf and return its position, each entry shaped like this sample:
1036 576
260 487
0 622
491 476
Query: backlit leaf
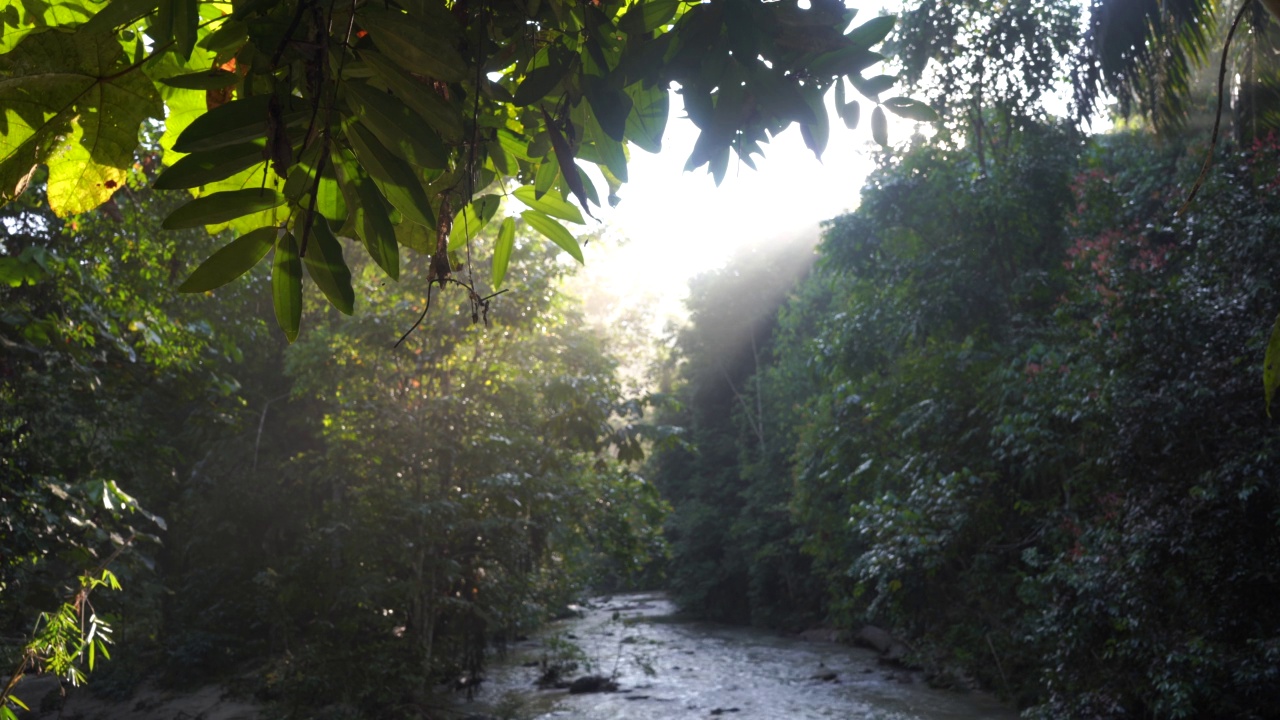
286 286
550 203
879 126
72 102
502 251
1271 365
471 219
911 109
554 231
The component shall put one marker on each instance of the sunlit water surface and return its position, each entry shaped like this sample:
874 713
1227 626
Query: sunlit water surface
668 669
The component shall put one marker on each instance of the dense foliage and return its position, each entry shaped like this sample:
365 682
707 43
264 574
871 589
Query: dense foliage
1026 429
405 124
357 522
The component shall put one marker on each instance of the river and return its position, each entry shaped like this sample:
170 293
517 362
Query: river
668 669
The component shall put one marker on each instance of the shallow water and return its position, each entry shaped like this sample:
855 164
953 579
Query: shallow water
668 670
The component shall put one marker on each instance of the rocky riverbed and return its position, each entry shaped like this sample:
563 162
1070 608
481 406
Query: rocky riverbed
668 669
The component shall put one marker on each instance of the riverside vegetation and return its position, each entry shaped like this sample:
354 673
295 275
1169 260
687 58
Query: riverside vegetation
1010 409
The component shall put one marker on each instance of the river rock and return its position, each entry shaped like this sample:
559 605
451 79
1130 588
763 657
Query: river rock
592 684
890 648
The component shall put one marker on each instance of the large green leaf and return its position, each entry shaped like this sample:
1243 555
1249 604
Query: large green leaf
18 18
648 117
214 79
502 251
221 207
237 122
393 176
471 219
327 267
372 222
400 129
231 261
286 286
549 203
438 112
879 126
414 44
555 232
203 168
911 109
872 32
1271 365
74 102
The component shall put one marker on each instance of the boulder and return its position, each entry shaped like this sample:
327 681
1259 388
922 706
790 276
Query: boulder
592 684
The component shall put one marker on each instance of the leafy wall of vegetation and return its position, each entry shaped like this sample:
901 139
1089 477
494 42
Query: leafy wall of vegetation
1020 422
357 522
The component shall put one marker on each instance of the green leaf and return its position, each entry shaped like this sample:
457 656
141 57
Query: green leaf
372 221
220 207
286 286
1271 365
231 261
849 61
817 133
911 109
611 109
548 171
393 176
872 87
118 13
555 232
74 102
502 251
214 79
400 129
879 126
848 111
186 25
237 122
538 83
648 117
656 13
549 204
414 44
471 219
438 112
203 168
328 269
872 32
